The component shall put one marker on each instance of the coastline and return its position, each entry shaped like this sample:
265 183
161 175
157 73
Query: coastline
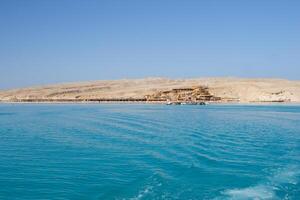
150 103
161 91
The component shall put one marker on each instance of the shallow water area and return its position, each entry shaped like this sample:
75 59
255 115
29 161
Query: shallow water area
139 151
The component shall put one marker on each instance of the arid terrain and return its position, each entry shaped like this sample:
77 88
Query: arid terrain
161 90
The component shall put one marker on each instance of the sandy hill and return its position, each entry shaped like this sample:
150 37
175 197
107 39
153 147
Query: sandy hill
160 89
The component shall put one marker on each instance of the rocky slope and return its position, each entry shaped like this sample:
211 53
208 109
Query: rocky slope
162 89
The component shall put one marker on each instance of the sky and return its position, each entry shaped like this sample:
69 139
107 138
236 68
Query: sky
53 41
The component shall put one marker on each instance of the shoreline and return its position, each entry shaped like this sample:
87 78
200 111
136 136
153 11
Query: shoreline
149 103
161 90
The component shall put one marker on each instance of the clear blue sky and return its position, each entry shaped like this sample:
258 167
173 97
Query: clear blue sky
51 41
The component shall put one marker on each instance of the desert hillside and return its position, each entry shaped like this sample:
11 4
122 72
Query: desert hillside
162 89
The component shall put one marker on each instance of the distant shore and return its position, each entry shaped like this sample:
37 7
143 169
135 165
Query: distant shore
162 90
147 103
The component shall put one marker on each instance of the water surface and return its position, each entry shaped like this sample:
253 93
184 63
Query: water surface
149 152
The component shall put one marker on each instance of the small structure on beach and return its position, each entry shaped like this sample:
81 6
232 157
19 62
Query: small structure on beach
191 95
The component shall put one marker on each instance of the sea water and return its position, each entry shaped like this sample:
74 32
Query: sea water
149 152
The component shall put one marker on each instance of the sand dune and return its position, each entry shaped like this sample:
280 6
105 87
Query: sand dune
226 89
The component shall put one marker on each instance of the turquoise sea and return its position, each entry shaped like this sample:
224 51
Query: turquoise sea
114 151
